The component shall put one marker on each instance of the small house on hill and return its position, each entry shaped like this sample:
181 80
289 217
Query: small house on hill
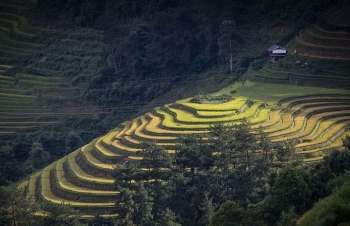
276 52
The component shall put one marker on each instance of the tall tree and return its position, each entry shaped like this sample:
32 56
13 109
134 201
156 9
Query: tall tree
167 218
291 189
72 142
229 214
192 161
38 157
156 160
16 209
125 207
143 201
236 156
229 38
9 170
60 214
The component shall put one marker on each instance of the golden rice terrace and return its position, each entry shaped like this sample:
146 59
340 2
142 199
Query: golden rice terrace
316 118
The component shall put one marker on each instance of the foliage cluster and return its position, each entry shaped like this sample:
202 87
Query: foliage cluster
242 179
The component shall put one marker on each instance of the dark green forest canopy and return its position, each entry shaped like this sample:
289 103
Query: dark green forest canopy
154 46
142 50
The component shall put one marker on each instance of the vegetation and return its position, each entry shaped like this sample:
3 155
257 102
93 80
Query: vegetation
197 158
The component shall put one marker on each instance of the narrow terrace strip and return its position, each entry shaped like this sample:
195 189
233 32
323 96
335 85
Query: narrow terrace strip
331 41
306 114
329 34
326 137
125 150
109 137
134 125
86 151
121 134
105 151
184 117
338 143
274 117
301 41
154 128
231 105
313 124
129 141
32 186
63 183
323 127
79 173
140 135
216 114
47 194
295 106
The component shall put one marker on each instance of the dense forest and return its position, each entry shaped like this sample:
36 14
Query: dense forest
251 182
123 56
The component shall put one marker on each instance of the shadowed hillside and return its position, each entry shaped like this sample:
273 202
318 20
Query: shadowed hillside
153 74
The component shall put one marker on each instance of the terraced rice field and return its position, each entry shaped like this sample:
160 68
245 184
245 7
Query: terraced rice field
316 118
326 53
22 95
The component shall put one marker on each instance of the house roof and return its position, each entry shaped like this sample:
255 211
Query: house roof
273 47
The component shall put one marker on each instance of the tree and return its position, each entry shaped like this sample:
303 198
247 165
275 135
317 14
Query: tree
125 207
332 210
72 142
236 160
346 142
288 218
125 174
229 38
167 218
15 209
38 157
285 152
143 215
229 214
192 161
101 221
60 214
9 170
156 161
207 208
329 168
291 189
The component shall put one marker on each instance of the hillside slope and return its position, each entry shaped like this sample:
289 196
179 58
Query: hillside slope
315 118
281 97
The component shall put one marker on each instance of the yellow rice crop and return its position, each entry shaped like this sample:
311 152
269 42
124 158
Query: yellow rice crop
325 136
261 117
154 127
287 120
325 125
139 132
186 117
109 137
336 144
122 133
317 158
170 123
63 183
214 113
134 125
47 194
311 125
105 151
32 185
82 174
234 104
86 151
